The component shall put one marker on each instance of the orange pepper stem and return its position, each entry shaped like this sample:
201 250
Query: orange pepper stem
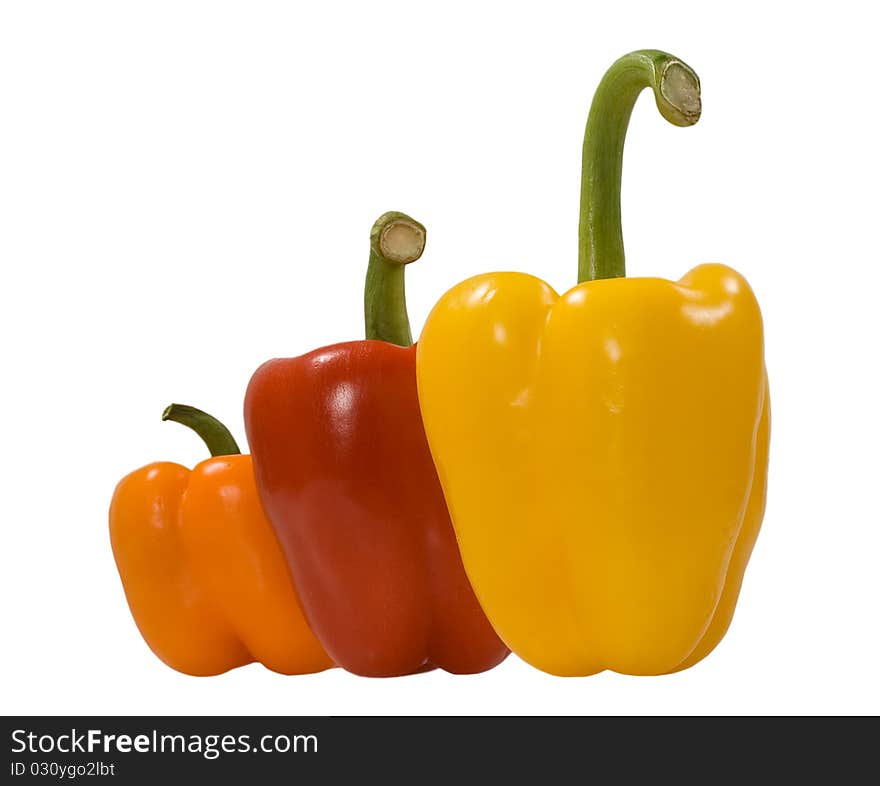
677 92
395 241
214 434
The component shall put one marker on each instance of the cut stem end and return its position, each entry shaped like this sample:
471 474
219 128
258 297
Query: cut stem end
679 96
400 239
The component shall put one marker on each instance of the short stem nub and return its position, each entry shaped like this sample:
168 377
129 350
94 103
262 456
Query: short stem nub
214 434
395 241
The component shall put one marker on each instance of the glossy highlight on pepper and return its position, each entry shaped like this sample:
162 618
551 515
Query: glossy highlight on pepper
605 458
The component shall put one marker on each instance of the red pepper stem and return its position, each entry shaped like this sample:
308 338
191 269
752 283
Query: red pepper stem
214 434
395 241
677 92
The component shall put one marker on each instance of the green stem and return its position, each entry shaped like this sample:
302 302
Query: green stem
215 435
677 92
395 241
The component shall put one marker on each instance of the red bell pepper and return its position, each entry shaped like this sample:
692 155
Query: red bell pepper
346 478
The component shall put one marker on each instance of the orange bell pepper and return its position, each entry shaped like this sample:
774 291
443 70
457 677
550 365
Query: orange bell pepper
203 573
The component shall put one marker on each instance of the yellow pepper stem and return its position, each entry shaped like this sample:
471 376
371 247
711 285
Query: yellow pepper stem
677 92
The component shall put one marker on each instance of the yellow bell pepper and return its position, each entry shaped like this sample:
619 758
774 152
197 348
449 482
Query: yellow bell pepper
603 452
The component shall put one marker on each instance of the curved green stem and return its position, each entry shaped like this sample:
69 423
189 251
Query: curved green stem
395 241
677 92
215 435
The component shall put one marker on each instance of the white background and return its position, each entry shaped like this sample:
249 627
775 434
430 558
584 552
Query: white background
186 189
